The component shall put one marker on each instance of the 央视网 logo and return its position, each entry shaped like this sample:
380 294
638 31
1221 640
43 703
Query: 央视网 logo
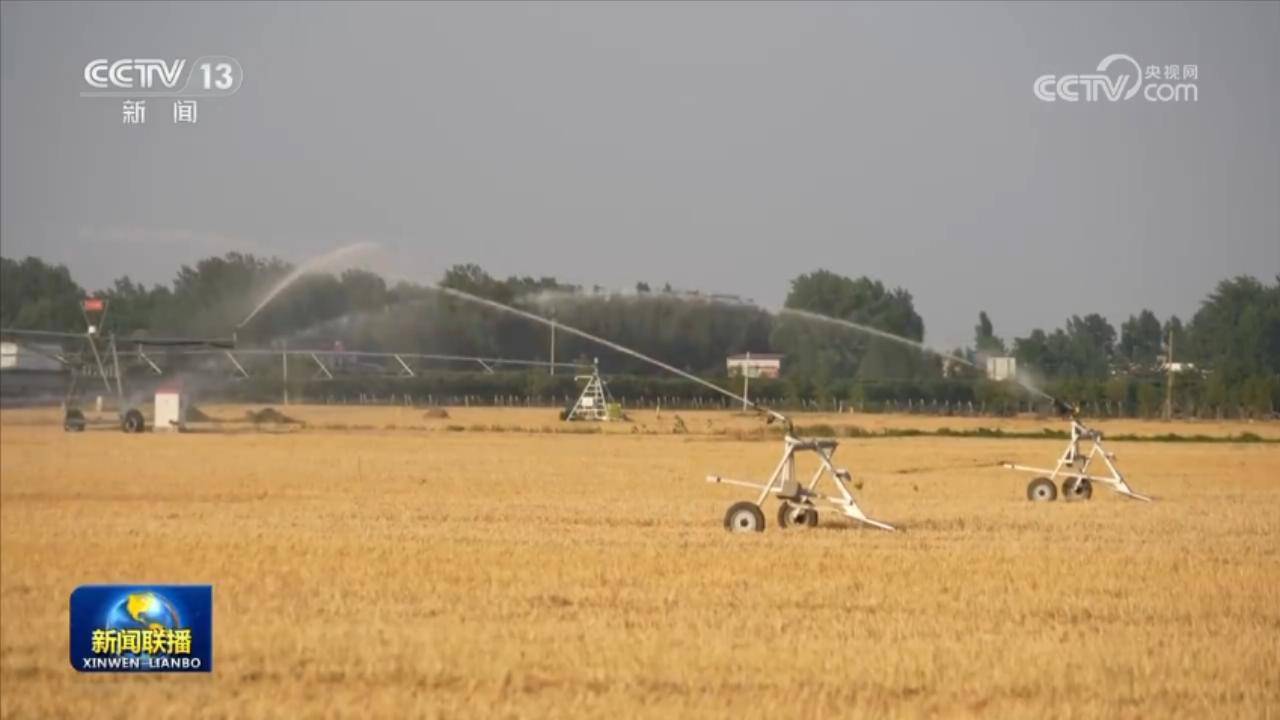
1118 78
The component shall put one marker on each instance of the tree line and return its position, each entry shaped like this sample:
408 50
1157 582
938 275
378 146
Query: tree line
1230 347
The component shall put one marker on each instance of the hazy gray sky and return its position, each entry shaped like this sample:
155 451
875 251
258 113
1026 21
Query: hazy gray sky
720 146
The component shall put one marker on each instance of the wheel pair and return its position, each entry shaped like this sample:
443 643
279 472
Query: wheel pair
1073 488
73 421
744 517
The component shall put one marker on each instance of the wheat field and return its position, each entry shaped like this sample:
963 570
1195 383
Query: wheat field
378 562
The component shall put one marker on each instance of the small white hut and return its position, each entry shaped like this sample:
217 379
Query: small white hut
171 408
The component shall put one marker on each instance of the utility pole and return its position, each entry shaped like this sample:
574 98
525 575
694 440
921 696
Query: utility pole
551 366
746 381
1168 383
284 364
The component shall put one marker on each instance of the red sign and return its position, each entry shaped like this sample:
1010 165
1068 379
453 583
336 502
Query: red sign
93 304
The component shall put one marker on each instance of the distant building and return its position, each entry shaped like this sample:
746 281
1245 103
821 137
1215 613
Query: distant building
28 371
37 358
1177 367
754 365
1002 368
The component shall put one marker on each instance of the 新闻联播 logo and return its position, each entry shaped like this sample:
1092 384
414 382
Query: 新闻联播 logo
158 628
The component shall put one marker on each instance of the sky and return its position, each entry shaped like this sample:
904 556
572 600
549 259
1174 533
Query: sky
720 146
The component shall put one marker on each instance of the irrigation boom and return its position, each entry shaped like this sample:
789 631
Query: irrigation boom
462 295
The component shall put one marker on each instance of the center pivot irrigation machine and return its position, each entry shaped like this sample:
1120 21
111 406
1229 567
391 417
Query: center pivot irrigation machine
80 364
1077 484
796 506
595 402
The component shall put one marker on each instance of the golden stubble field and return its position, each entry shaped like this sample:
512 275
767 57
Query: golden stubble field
397 568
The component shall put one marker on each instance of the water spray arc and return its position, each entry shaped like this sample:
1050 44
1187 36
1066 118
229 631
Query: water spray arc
326 261
907 342
797 501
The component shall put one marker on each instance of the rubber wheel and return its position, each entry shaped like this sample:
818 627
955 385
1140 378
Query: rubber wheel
789 515
134 422
744 517
74 421
1077 488
1042 490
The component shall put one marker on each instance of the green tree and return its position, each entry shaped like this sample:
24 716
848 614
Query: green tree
471 278
364 290
1084 349
132 307
38 296
212 297
1236 331
1141 340
1091 345
826 352
985 342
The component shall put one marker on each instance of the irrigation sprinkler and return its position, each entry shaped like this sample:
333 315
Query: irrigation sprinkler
1073 468
797 502
1073 465
796 507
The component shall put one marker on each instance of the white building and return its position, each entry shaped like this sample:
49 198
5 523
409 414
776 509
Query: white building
1002 368
754 365
22 357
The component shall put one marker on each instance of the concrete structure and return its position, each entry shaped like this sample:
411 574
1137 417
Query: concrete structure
754 365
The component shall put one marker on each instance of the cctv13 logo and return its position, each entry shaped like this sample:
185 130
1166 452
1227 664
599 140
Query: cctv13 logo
142 628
